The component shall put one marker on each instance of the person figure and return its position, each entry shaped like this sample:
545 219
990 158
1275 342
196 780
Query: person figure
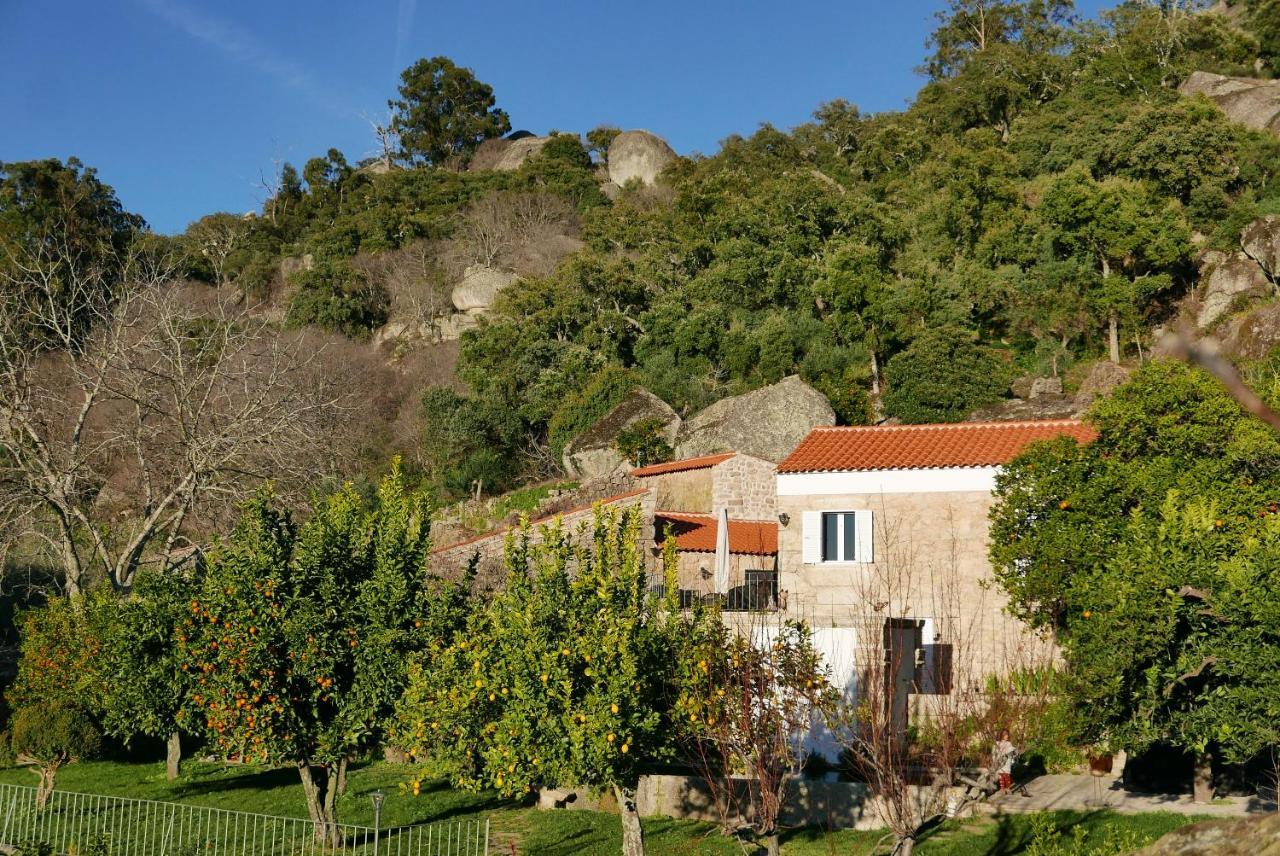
1002 758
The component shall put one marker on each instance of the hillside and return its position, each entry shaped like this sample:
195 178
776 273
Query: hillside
1047 202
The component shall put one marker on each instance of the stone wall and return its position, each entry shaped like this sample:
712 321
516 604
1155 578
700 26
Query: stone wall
687 490
813 803
746 486
452 561
697 571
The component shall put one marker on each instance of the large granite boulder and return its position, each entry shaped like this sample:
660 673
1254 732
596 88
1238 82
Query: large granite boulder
591 455
638 154
519 151
479 288
1102 380
1260 241
1252 334
768 423
1046 406
1030 388
1225 280
1251 836
1249 101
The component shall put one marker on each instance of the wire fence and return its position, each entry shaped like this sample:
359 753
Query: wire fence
78 824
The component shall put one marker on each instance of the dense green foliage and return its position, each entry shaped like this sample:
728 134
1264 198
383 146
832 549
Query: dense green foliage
298 636
1152 553
443 111
62 220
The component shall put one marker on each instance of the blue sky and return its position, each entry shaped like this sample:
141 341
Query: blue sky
183 104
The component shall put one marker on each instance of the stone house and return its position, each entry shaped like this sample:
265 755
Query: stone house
883 535
681 500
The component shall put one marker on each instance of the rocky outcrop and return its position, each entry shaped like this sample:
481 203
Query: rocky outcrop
591 455
1260 241
1251 836
289 265
1048 406
768 423
1249 101
479 288
1253 334
1102 380
519 151
1031 388
638 155
1227 279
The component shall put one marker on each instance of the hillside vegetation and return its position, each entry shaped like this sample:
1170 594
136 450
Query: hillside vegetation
1041 203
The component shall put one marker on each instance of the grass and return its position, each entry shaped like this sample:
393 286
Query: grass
553 833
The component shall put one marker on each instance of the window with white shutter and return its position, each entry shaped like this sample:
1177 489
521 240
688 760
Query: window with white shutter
840 537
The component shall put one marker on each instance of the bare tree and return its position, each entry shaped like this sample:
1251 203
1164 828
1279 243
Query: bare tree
216 237
118 435
927 642
388 140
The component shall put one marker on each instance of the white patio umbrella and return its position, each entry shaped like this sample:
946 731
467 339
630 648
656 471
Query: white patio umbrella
722 552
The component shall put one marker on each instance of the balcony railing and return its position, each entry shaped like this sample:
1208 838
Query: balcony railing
758 594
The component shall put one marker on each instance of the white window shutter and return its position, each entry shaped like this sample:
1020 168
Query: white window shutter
811 537
865 537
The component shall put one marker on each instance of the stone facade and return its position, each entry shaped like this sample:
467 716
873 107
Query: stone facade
745 485
929 563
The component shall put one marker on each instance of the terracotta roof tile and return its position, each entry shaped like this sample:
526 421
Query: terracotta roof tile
680 466
893 447
608 500
696 533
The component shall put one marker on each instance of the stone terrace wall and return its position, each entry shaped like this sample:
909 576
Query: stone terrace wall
452 561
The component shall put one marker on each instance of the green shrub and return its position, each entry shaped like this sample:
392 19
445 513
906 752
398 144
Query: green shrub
48 736
584 408
943 376
334 295
643 443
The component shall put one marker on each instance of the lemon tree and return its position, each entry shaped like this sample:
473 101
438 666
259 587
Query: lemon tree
564 680
747 698
298 637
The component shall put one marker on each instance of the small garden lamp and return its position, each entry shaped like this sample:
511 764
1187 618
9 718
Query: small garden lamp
377 796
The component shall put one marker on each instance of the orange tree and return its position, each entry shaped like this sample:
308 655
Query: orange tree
298 637
563 680
148 685
58 691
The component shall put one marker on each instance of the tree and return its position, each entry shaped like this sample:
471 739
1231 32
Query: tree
215 239
969 28
59 677
443 111
747 697
298 637
1149 553
49 735
942 376
148 686
1138 243
62 232
564 680
143 409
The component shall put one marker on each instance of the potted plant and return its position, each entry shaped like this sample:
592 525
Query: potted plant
1101 759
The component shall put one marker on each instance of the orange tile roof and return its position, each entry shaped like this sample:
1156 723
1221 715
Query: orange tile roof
696 533
680 466
608 500
894 447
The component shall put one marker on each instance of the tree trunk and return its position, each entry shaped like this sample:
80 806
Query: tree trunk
632 833
1202 783
904 847
48 778
173 756
319 786
1113 335
875 373
771 844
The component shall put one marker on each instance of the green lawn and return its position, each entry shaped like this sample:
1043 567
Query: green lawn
554 833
